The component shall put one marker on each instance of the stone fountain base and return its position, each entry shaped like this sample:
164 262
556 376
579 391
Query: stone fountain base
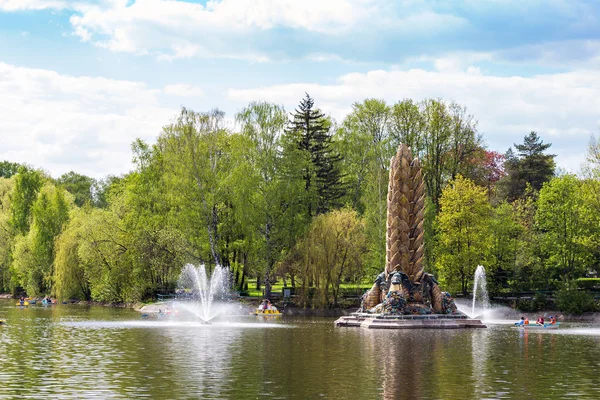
431 321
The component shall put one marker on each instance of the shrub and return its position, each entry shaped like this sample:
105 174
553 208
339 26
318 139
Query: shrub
574 301
537 303
524 305
588 283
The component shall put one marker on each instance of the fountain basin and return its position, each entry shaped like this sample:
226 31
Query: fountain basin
387 321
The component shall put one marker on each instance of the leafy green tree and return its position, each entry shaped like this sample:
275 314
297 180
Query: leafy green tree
196 157
6 233
365 145
407 125
443 136
332 252
33 257
464 239
8 169
559 217
78 185
101 190
156 248
70 280
102 254
27 184
506 233
529 271
257 180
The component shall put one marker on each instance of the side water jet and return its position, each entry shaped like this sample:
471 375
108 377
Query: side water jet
480 293
205 292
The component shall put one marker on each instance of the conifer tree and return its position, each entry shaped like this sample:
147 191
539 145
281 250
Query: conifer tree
530 166
309 129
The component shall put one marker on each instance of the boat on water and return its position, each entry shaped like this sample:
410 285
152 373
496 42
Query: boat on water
267 313
266 309
2 321
537 326
22 303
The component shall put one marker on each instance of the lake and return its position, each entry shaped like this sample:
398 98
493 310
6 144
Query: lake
75 352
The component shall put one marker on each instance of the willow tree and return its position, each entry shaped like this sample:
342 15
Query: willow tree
332 252
70 279
464 239
6 233
33 255
28 182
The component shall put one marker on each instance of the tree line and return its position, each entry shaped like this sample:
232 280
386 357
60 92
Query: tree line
300 198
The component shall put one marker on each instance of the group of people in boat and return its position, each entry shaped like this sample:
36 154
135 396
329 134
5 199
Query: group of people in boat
540 321
266 305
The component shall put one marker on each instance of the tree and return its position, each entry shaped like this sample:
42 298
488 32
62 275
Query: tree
33 257
488 169
464 231
8 169
258 200
365 145
559 217
332 252
506 238
6 233
70 280
530 166
309 130
195 154
448 143
27 184
78 185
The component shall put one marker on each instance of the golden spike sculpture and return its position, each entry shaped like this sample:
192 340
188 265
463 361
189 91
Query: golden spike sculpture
406 210
404 247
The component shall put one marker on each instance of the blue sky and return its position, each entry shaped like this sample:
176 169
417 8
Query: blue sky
79 80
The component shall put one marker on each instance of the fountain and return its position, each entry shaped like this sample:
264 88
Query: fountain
404 295
205 292
480 293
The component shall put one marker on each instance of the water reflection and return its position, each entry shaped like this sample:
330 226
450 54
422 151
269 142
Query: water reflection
77 352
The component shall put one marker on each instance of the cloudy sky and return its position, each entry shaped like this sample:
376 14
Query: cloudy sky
79 80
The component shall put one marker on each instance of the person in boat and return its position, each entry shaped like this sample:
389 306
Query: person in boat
540 321
552 320
22 300
521 322
526 321
263 306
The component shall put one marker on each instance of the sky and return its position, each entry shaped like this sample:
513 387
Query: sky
80 80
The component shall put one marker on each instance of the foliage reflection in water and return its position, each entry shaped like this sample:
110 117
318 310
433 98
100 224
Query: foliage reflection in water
86 352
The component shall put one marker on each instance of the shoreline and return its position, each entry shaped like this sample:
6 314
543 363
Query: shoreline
293 310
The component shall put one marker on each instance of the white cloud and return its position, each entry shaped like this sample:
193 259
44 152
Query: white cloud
183 90
171 29
180 29
62 123
563 108
18 5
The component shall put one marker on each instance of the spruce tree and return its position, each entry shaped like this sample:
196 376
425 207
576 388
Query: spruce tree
530 166
310 131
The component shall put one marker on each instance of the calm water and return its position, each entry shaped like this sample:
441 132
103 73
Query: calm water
94 352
